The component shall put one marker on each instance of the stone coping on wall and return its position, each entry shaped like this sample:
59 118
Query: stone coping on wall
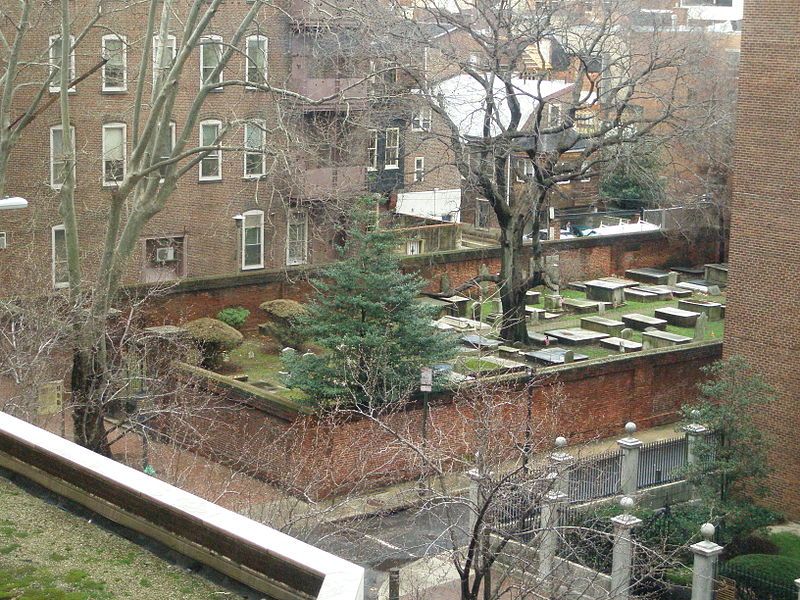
260 557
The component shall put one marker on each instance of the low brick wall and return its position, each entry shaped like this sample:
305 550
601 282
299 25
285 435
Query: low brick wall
319 457
579 258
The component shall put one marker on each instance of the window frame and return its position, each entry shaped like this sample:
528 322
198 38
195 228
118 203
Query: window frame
211 41
53 184
58 285
173 129
53 52
248 60
289 222
419 122
210 155
260 227
3 240
172 42
395 164
419 169
260 124
372 150
124 128
124 53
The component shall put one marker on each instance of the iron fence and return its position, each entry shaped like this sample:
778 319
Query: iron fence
752 586
595 477
662 462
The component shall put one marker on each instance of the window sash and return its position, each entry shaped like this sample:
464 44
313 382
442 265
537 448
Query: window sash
171 51
60 265
392 150
253 240
419 168
211 164
421 120
58 161
115 69
55 62
113 153
256 70
297 238
210 57
254 146
166 146
372 149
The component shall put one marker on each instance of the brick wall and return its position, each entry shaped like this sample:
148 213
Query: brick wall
764 295
319 457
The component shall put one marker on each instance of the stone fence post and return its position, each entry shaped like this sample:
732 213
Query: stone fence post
561 461
629 469
550 517
622 558
797 583
694 437
706 554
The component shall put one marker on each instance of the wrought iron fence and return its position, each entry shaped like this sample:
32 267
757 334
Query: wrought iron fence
595 477
662 462
752 586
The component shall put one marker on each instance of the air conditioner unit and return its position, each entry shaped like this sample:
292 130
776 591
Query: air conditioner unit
3 240
165 254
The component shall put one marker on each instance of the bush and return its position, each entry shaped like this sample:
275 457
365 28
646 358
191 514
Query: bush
751 544
786 543
213 338
283 315
235 316
766 575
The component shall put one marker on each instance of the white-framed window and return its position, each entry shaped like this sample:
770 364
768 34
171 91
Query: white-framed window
114 153
211 164
256 63
210 57
164 258
161 65
392 151
297 238
414 247
58 160
3 240
255 139
372 150
421 120
419 168
60 268
115 71
253 240
166 146
55 62
523 168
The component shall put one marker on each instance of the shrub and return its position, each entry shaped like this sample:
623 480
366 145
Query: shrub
766 575
751 544
283 315
235 316
213 338
786 543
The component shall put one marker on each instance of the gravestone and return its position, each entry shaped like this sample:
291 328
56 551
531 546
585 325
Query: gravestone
672 278
701 326
576 335
446 287
569 356
605 290
601 307
713 290
603 325
637 295
620 344
712 309
648 275
677 316
663 339
553 302
579 306
641 322
532 297
626 334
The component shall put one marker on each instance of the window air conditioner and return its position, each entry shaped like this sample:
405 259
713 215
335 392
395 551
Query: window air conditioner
165 254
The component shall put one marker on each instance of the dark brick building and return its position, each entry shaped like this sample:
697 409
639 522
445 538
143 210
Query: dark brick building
763 323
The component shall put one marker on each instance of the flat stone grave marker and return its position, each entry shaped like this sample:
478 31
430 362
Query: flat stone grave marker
613 279
541 339
579 306
552 356
678 316
458 304
508 351
679 292
532 297
687 273
648 275
617 343
637 295
604 290
642 322
478 341
578 286
576 335
463 324
662 291
712 309
603 325
500 364
532 310
695 285
553 302
664 339
716 273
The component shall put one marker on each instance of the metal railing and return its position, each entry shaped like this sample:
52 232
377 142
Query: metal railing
595 477
662 462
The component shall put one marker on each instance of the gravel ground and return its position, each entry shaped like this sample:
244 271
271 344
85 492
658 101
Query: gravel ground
55 547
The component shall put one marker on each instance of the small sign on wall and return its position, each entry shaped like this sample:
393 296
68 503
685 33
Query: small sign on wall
426 379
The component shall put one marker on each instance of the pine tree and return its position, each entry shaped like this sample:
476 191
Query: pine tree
374 333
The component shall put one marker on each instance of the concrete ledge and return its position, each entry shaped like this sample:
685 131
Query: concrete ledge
254 554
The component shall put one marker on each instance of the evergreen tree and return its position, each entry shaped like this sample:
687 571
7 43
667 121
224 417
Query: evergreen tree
374 333
634 181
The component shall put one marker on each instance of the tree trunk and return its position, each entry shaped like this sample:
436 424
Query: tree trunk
513 278
88 408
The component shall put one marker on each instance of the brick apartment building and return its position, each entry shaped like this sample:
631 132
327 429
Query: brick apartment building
763 294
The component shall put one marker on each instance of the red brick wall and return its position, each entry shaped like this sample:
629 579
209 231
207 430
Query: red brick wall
763 296
322 457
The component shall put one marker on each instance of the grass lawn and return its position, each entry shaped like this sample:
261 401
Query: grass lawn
47 553
788 544
260 362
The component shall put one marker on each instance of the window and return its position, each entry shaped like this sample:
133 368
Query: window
553 115
253 240
421 121
211 163
523 168
413 247
419 168
482 212
256 59
162 64
60 268
585 122
115 69
372 149
392 152
297 238
210 57
113 153
55 62
3 240
58 159
166 145
165 259
254 147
